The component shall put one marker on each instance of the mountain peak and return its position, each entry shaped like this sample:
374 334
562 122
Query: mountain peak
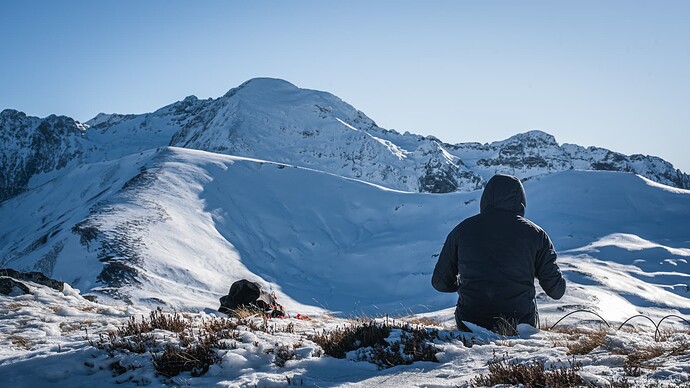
262 84
537 135
8 113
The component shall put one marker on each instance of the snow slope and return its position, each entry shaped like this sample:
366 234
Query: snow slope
173 228
177 227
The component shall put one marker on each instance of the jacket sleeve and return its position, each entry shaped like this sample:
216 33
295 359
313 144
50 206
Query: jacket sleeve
445 277
547 271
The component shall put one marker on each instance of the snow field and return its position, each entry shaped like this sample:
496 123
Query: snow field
334 249
60 353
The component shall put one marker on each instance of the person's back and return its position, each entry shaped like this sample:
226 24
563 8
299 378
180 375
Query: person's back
492 259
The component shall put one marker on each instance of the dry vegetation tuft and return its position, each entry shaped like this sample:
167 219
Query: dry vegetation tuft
370 338
245 312
424 321
530 374
192 348
580 341
21 341
194 358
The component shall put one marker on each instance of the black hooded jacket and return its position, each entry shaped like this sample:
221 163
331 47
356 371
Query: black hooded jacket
492 259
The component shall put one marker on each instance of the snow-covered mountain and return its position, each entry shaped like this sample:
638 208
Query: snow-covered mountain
312 188
274 120
303 193
176 227
32 146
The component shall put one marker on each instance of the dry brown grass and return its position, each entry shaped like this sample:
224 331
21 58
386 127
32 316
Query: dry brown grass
69 327
156 320
88 308
681 347
14 306
195 359
423 321
21 341
578 340
23 322
245 312
530 374
415 343
196 344
640 359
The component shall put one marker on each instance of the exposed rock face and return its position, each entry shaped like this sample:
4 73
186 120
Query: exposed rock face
536 153
35 277
274 120
31 146
9 286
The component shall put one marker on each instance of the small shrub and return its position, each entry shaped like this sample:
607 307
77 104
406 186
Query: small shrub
370 338
197 341
632 366
530 374
342 340
587 342
682 347
112 342
219 325
174 360
580 341
21 341
637 360
622 383
117 368
283 353
157 320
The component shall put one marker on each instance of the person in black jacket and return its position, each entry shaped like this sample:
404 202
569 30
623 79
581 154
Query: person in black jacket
491 260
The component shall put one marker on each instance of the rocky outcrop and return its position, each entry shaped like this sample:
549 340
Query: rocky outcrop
35 277
31 146
536 153
9 286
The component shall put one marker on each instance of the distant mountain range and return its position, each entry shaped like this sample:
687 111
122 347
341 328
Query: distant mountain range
272 119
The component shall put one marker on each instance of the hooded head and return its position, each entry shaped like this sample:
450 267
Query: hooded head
504 192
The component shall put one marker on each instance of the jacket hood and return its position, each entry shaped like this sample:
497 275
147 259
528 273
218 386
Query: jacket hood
504 192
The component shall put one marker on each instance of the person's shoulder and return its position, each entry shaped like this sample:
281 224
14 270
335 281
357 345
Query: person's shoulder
464 224
531 224
470 220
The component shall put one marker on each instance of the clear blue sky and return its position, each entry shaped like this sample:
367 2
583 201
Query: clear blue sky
614 74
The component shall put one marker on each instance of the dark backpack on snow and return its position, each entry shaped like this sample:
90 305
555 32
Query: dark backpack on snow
244 293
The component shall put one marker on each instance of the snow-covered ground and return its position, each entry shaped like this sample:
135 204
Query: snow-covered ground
189 223
51 338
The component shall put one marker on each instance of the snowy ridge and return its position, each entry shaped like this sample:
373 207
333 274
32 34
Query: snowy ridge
173 228
173 217
271 119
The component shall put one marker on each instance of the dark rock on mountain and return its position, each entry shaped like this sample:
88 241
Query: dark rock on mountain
32 146
9 286
35 277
